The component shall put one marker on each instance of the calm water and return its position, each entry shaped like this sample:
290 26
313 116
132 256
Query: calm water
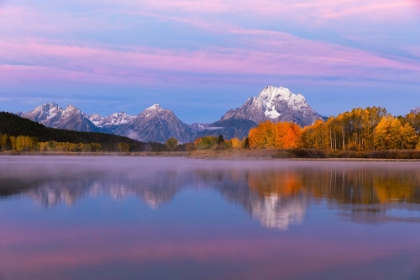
166 218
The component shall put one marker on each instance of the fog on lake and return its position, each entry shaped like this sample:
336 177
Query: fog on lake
177 218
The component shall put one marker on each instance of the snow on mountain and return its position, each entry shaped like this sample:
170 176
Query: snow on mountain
275 104
52 115
156 124
44 112
115 119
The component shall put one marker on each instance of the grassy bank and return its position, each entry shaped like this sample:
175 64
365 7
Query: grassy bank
242 154
146 154
306 154
340 154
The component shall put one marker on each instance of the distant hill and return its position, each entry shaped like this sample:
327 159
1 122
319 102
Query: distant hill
14 125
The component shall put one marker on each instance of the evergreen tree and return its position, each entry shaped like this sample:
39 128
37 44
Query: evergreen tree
246 143
220 140
8 146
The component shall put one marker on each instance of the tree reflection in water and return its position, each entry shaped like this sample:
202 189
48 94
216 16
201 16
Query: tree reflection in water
276 195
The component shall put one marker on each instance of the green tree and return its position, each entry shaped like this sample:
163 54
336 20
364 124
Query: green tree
171 144
51 145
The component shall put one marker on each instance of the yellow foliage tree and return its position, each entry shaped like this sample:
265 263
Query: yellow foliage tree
387 134
236 143
123 147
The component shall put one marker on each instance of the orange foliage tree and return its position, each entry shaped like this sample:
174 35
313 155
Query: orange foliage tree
270 135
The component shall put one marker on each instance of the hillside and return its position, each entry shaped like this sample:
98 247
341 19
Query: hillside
14 125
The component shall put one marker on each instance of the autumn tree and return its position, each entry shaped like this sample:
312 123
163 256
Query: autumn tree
408 137
236 143
205 143
284 135
171 144
123 147
387 134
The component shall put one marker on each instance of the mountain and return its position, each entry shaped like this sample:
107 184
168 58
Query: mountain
156 124
229 128
276 104
13 125
52 115
112 121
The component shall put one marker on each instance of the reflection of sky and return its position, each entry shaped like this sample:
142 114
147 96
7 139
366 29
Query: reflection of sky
198 235
207 228
189 55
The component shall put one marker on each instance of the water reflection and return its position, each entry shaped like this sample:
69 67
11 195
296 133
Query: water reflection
183 219
276 196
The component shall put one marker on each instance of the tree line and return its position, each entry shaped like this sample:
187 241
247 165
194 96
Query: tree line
367 129
32 144
20 134
361 129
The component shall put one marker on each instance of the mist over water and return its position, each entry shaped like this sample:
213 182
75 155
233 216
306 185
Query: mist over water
176 218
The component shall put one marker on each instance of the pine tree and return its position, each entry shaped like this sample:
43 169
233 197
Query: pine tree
8 146
220 140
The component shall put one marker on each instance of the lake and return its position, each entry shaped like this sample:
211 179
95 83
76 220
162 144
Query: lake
178 218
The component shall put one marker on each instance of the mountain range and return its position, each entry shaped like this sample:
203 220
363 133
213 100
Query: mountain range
158 124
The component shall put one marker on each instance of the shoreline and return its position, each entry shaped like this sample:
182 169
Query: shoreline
233 155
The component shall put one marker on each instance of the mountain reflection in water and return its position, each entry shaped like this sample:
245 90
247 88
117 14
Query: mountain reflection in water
276 195
174 218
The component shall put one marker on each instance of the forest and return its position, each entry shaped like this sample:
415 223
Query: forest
361 132
23 135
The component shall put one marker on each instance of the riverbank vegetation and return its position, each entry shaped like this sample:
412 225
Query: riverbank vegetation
360 133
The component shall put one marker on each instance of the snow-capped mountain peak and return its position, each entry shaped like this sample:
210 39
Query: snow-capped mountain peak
70 109
115 119
271 95
275 104
52 115
158 124
44 112
154 107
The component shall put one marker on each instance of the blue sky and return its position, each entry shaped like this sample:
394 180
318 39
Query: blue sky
201 58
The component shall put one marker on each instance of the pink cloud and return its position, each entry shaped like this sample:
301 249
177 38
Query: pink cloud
266 53
302 10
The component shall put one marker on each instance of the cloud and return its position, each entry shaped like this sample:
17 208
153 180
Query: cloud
276 55
302 10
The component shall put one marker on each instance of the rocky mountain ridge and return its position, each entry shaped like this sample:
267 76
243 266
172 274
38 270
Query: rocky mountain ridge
158 124
273 103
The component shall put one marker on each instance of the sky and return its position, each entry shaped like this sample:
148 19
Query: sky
200 58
